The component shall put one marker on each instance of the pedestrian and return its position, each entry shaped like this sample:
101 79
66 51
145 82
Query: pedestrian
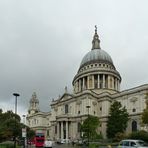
73 143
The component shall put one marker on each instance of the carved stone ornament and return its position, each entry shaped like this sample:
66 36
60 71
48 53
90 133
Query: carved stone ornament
55 109
78 102
94 103
134 99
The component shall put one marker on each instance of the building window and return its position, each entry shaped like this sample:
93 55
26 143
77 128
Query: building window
134 110
100 108
79 127
55 129
94 112
101 81
66 108
78 112
47 132
96 81
134 126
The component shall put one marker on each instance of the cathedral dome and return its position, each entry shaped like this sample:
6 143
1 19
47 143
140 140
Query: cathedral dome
96 56
97 71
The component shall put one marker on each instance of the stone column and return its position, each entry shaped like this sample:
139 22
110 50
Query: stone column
98 81
108 79
67 130
87 82
103 81
84 84
113 82
93 82
118 84
77 87
62 136
116 87
80 88
58 130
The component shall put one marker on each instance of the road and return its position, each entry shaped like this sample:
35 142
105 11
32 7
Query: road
61 146
69 146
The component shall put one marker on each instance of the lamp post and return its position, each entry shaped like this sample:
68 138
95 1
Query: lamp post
88 107
24 120
16 95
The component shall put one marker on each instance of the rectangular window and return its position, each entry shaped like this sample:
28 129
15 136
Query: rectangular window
66 108
47 132
79 127
55 129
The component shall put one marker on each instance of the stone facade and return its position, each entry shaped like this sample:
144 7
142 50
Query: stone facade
95 86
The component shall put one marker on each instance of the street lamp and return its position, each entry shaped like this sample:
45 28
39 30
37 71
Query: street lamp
16 95
24 120
88 107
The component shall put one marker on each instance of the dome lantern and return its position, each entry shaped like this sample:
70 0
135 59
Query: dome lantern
96 41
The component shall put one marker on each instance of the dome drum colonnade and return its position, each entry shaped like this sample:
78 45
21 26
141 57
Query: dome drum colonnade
97 70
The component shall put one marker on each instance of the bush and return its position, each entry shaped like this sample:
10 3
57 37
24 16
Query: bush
93 145
6 146
119 137
143 135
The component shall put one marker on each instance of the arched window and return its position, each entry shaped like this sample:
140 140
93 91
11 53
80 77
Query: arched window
134 126
79 126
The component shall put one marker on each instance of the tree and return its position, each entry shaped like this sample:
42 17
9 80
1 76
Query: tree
30 133
10 125
117 120
145 112
89 127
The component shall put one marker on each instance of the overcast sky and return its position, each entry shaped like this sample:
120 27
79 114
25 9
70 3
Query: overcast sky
42 43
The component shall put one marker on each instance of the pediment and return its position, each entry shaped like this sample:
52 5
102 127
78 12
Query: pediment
65 96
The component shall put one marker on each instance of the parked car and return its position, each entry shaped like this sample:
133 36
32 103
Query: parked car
65 141
49 143
129 143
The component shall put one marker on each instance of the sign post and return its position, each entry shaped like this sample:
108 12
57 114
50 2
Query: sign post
24 135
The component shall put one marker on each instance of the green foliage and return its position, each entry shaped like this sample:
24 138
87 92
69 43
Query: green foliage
119 136
145 112
6 145
89 128
117 121
1 111
143 135
93 145
30 133
10 125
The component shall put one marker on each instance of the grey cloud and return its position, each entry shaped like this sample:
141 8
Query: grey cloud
43 42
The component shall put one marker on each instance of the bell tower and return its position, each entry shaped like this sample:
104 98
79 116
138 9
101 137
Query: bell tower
34 104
